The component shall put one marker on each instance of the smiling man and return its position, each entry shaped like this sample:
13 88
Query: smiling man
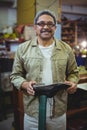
45 27
47 60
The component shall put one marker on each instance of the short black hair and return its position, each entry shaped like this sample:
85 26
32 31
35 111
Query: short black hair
48 12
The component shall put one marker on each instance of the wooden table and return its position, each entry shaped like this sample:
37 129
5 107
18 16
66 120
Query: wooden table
77 106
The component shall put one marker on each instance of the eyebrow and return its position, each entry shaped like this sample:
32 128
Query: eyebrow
45 21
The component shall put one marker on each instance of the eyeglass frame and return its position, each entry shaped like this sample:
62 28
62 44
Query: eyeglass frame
49 24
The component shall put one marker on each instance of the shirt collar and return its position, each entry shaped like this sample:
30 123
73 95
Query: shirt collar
57 43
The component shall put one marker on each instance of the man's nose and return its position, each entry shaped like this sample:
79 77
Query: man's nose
46 26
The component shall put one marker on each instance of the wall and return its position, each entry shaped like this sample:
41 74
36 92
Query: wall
52 5
74 12
27 10
74 9
7 16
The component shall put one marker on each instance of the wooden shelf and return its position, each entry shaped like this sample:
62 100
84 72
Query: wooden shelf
73 112
83 78
75 31
68 32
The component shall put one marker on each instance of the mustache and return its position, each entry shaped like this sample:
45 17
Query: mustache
46 30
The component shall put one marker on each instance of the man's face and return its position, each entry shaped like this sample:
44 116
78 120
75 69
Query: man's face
45 27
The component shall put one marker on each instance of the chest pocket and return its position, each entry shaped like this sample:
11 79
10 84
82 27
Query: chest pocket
60 66
33 67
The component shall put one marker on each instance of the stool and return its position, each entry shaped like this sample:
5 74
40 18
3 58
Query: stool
77 124
44 92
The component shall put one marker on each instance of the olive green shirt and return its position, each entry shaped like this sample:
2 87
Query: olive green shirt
28 65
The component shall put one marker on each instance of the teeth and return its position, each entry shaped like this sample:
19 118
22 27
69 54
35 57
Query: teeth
46 31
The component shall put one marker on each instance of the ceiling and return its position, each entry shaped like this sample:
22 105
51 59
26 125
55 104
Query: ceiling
75 2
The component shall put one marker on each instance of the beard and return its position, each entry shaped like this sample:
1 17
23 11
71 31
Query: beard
46 34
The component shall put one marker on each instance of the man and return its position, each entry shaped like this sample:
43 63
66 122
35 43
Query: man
44 60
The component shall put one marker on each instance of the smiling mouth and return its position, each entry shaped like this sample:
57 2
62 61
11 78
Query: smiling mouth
46 32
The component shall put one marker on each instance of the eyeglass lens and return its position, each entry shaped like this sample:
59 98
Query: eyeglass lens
42 24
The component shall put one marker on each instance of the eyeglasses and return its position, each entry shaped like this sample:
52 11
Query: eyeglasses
49 24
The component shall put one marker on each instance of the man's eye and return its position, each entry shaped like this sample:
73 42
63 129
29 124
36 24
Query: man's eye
41 24
50 24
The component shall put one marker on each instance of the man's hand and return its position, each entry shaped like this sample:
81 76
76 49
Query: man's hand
73 87
28 87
